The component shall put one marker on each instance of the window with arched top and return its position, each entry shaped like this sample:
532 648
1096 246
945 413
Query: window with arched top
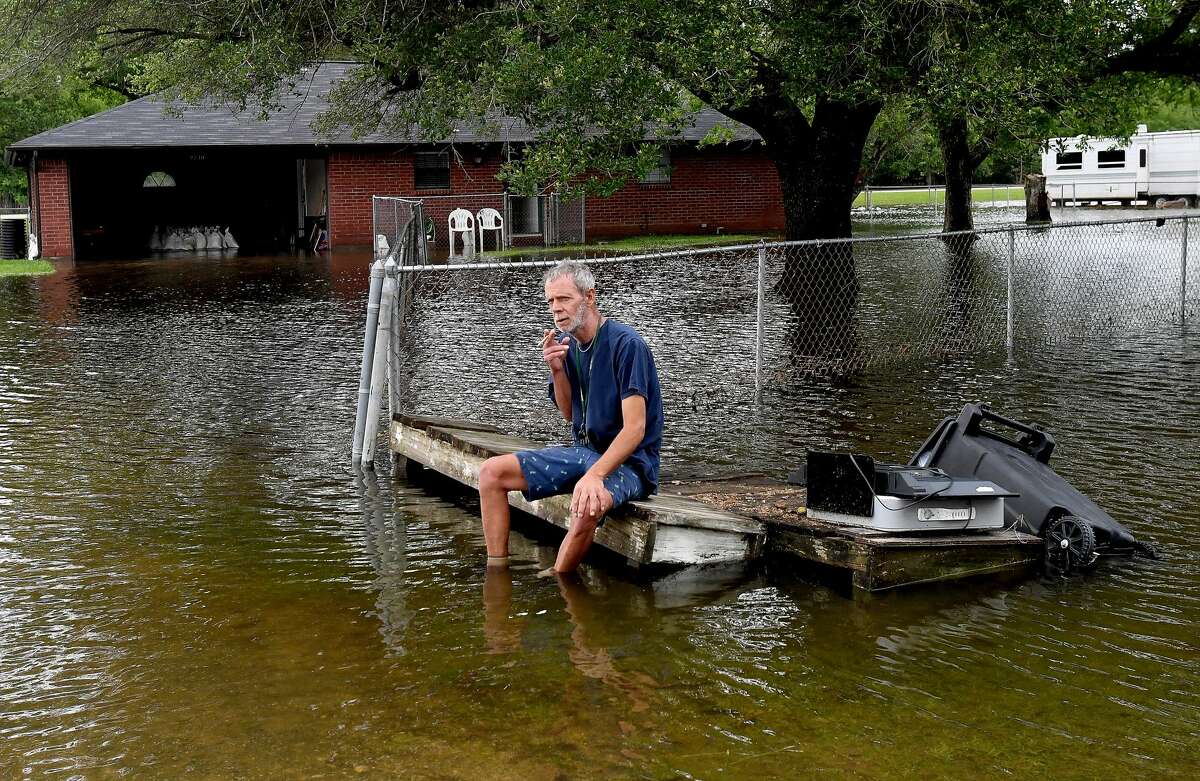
159 179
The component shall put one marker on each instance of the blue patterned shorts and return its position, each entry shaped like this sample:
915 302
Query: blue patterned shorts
555 470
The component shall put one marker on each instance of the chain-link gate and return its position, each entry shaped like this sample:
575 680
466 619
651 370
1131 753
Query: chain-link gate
398 230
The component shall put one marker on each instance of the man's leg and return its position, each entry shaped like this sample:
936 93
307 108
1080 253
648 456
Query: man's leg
622 485
498 476
579 538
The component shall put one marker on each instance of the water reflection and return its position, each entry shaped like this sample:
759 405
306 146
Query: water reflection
501 630
181 545
386 547
587 651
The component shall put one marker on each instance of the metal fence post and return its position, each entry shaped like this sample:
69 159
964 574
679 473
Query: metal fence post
1012 235
393 364
870 201
758 338
1183 276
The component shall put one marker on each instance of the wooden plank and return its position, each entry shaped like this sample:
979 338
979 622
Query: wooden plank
832 550
425 421
896 566
690 545
484 444
633 532
628 537
670 509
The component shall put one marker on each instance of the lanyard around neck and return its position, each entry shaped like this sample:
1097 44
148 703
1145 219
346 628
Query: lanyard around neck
585 387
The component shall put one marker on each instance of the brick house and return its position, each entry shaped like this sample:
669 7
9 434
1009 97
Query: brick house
99 186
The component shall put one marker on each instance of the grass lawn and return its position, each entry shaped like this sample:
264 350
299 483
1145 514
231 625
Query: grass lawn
919 196
20 268
635 244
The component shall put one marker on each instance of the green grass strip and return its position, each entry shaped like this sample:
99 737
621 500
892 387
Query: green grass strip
633 244
923 197
21 268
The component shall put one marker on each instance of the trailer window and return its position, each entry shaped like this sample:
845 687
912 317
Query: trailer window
1142 157
1111 159
1069 161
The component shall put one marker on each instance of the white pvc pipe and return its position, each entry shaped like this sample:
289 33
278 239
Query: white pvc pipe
368 355
379 365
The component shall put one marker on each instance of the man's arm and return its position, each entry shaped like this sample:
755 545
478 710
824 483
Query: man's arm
591 498
554 353
562 392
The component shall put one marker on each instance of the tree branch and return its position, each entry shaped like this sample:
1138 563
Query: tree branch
1164 53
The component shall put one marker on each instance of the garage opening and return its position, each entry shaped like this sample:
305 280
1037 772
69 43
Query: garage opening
120 200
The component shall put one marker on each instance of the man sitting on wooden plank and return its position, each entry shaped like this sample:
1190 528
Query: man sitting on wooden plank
604 382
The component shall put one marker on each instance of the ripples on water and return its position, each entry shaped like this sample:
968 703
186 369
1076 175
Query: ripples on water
192 583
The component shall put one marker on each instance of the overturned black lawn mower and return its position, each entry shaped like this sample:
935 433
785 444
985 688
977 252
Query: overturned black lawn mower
978 472
984 445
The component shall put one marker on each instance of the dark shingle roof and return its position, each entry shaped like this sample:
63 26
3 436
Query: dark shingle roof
143 123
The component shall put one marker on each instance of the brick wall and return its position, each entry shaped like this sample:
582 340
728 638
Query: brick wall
353 177
732 190
736 191
54 209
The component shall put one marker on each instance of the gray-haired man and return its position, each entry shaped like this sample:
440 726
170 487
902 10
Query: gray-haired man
604 382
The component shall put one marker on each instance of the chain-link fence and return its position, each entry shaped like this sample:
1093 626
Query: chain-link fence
725 322
842 306
483 223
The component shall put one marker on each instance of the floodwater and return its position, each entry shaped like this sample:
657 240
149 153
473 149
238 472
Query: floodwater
194 585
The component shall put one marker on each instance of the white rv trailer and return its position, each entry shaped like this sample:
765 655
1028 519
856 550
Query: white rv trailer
1150 166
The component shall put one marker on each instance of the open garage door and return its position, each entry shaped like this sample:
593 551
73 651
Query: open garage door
119 199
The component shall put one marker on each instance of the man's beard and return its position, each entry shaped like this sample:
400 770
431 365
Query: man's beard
577 319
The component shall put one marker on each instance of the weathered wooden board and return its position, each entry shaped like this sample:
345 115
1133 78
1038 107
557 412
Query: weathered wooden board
425 421
877 560
657 530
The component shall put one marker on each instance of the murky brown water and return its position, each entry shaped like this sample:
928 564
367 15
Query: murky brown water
192 583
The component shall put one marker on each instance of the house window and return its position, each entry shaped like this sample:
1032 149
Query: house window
1111 159
1069 161
431 171
660 174
159 179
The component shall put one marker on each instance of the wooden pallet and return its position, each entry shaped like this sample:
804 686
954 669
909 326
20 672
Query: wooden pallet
876 560
661 530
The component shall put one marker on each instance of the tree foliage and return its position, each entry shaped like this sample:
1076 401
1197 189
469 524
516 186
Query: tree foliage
596 78
30 108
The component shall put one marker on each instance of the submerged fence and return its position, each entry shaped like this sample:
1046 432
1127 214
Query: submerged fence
732 321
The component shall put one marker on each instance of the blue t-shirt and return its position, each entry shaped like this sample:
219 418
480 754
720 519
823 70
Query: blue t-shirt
617 365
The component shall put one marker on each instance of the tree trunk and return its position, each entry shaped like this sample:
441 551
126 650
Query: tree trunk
818 173
960 163
1037 204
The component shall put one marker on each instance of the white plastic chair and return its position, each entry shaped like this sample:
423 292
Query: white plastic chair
462 222
488 219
